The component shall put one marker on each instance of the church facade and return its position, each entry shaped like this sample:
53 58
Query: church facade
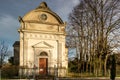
42 43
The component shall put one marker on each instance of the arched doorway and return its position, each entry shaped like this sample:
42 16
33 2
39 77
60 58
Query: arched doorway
43 63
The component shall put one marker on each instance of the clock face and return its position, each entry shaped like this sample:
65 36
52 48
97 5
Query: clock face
43 17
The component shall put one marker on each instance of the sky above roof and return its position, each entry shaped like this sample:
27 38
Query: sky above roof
11 9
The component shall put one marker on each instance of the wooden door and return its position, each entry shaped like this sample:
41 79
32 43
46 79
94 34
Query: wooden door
43 66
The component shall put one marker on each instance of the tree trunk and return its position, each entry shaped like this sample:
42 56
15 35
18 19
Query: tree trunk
105 64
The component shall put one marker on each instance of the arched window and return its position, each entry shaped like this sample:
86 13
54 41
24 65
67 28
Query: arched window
43 54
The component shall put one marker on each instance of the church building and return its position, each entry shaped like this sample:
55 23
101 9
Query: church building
42 43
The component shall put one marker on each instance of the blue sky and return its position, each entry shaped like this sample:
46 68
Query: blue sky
11 9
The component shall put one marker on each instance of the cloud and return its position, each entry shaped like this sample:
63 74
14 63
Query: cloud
8 28
66 8
12 9
63 7
75 2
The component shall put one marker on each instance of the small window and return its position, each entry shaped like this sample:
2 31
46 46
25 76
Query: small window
43 54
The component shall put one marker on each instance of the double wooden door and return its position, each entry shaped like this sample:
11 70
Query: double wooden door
43 64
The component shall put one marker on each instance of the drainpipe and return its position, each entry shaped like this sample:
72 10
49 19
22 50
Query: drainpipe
58 58
34 66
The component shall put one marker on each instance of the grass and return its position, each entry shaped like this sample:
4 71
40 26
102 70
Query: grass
70 74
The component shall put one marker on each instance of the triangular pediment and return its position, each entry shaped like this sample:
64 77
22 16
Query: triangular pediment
42 45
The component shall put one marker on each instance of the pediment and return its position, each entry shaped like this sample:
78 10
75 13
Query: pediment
36 15
42 44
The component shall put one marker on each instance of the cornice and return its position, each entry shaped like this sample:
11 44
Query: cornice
40 22
42 32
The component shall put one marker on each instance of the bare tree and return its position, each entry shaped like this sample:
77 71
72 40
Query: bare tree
94 24
3 52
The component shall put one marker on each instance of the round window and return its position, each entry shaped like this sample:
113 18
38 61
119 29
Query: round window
43 17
